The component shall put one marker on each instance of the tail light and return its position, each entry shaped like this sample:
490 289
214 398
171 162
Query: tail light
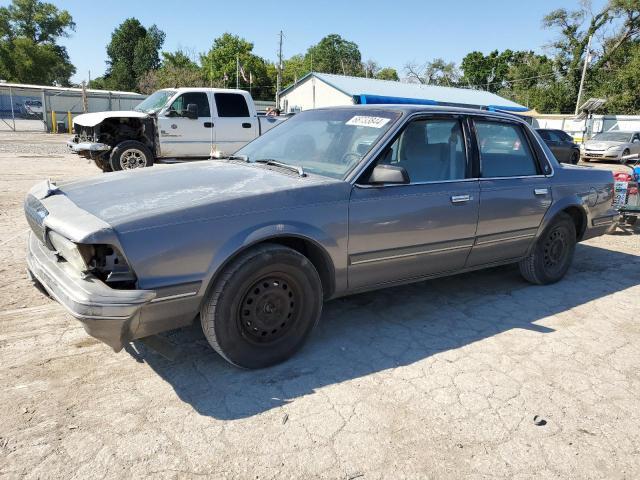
622 177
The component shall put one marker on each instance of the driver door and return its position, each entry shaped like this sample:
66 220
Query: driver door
427 226
181 136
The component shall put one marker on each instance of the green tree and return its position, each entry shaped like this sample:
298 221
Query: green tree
435 72
387 73
132 51
611 29
295 68
334 54
178 69
486 71
219 65
29 53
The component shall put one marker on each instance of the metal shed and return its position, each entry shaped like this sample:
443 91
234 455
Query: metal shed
32 107
316 90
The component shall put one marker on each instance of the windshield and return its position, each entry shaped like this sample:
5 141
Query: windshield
326 142
613 136
155 101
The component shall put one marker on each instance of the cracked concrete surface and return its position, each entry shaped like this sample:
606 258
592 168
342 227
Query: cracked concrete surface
439 379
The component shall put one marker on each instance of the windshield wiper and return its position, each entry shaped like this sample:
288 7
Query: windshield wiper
244 158
269 161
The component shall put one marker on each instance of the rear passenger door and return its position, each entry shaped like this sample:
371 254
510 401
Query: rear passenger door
515 192
234 125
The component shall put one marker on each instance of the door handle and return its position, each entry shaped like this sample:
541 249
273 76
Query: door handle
541 191
208 124
246 125
460 198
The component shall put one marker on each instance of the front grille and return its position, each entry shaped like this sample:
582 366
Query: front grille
35 212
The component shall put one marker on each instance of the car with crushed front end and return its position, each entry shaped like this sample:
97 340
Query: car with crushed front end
330 203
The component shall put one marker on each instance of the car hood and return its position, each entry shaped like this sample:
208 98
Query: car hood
196 191
603 144
93 119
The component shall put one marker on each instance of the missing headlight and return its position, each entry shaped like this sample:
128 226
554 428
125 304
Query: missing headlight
110 266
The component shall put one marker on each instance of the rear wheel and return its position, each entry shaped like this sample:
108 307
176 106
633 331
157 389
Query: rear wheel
575 157
263 307
129 155
552 254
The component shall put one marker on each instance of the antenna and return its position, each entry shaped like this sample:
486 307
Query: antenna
279 76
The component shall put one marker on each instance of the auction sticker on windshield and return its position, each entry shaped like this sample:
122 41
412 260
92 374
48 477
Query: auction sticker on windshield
365 121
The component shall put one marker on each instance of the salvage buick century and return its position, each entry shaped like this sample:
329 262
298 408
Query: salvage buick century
330 203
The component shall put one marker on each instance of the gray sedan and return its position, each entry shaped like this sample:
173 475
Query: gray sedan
330 203
611 146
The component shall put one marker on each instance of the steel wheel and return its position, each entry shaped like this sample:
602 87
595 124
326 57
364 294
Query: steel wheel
555 250
269 309
133 158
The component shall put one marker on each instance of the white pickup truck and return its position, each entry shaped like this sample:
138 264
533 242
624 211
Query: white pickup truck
180 123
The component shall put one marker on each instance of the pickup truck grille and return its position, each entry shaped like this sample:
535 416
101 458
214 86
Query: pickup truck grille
35 212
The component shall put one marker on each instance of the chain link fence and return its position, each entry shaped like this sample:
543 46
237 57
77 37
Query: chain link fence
33 108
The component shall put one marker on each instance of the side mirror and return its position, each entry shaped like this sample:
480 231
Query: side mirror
191 111
636 140
388 174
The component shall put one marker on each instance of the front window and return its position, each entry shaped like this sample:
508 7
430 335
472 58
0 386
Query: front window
429 150
199 99
612 137
326 142
155 101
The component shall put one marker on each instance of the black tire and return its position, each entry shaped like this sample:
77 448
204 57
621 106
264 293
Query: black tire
624 154
575 157
263 307
129 155
552 254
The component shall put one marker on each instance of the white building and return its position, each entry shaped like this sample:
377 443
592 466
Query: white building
316 90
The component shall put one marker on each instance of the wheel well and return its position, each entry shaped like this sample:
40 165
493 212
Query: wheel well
116 130
316 255
579 220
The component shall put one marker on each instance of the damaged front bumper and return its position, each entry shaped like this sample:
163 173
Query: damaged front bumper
112 316
77 146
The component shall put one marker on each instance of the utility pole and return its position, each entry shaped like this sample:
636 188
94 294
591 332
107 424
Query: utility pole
279 75
237 71
584 73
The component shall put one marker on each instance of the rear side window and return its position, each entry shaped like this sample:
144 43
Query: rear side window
198 98
231 105
504 150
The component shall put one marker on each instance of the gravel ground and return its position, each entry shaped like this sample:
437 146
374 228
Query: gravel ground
440 379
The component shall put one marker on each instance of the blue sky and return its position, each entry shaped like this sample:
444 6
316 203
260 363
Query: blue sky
391 33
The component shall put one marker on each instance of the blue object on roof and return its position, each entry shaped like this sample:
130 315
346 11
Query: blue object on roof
378 99
372 88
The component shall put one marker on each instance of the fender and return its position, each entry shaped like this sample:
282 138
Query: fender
269 231
556 207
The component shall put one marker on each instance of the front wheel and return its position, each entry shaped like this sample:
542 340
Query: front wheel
263 307
624 154
129 155
552 254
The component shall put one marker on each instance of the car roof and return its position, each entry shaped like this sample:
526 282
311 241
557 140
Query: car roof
411 109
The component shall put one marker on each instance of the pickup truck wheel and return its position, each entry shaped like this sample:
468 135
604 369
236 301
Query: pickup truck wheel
129 155
263 307
552 253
